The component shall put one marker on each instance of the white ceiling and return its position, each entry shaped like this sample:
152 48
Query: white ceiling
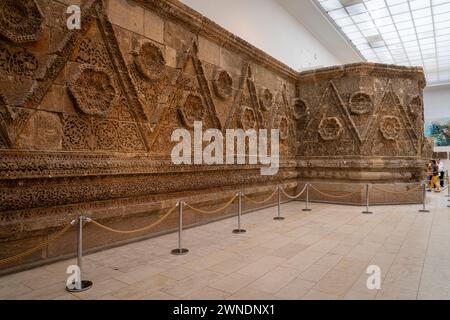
309 14
403 32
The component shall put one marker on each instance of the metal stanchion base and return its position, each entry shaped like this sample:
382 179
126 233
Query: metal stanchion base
85 285
306 209
179 252
239 231
278 218
422 210
367 212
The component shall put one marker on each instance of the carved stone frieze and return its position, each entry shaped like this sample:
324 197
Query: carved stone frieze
223 84
192 109
92 90
330 128
390 127
17 61
265 99
149 61
361 103
20 20
86 116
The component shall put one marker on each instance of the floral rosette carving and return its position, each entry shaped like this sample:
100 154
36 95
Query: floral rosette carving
330 128
20 20
150 62
390 127
360 103
247 120
92 91
300 109
223 84
192 109
265 99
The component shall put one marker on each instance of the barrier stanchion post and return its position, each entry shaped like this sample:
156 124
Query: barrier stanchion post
307 198
82 285
279 217
367 211
239 229
424 195
180 250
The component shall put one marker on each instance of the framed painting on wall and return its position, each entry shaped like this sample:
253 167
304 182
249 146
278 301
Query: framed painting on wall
439 129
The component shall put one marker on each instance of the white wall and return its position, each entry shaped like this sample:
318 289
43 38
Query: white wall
437 105
269 27
437 101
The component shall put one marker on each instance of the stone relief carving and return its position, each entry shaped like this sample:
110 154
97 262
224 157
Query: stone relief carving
20 20
247 120
390 127
300 109
283 126
149 61
415 107
91 133
360 103
17 61
125 101
93 53
265 99
192 109
223 84
330 128
92 90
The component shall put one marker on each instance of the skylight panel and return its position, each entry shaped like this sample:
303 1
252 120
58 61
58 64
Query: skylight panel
405 32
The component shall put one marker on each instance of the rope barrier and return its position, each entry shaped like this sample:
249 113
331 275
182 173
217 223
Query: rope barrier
296 196
98 224
40 246
336 196
260 202
396 192
213 211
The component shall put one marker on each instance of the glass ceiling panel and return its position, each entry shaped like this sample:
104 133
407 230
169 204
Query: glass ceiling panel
405 32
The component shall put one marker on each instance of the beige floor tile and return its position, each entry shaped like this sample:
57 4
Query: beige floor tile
336 282
317 255
314 294
208 293
295 289
274 280
144 287
315 272
248 293
233 282
99 289
261 266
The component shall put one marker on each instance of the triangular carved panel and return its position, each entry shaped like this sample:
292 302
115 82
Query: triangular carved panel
330 131
190 100
245 112
100 97
391 132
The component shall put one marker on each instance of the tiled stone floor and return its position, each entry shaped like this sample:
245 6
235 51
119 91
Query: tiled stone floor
322 254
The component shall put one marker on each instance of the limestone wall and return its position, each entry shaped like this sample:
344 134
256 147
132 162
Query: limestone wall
87 116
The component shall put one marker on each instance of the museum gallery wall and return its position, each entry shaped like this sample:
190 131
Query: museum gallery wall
87 117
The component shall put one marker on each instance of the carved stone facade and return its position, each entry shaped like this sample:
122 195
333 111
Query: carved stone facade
86 118
367 121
